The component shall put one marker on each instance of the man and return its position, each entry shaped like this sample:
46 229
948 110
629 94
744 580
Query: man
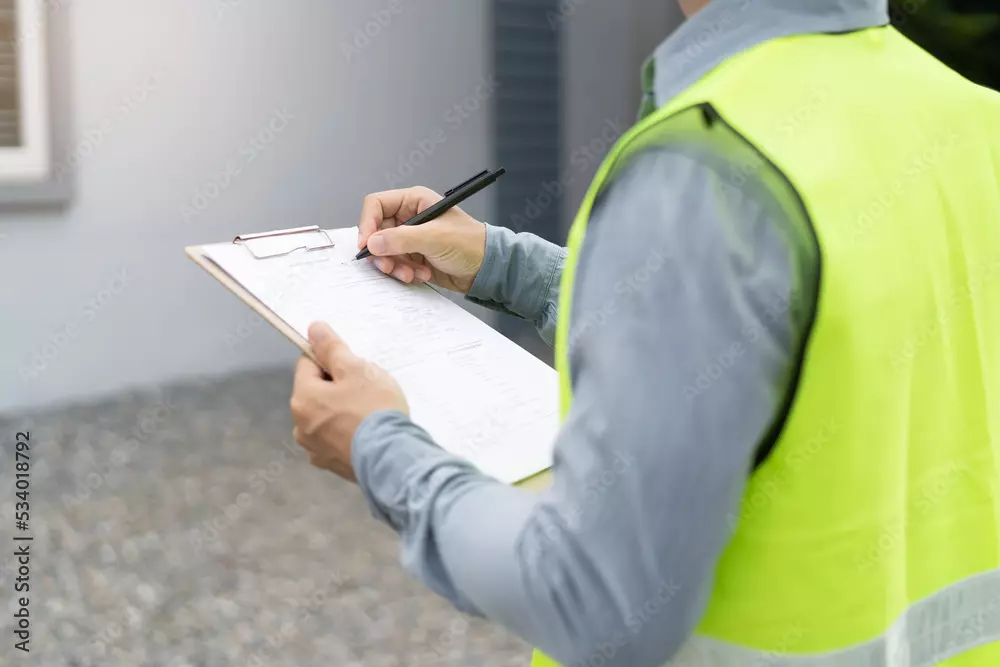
779 345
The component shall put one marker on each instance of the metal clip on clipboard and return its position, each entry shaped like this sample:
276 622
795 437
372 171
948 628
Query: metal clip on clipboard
298 239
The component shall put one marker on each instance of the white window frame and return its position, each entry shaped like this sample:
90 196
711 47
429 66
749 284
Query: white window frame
32 161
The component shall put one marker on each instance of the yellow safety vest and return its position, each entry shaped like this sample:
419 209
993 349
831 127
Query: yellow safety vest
870 535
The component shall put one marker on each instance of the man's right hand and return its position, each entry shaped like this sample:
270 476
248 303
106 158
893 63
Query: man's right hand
447 251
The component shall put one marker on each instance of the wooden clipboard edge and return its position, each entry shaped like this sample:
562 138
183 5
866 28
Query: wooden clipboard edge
198 256
537 482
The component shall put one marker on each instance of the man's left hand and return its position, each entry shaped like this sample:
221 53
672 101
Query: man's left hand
327 412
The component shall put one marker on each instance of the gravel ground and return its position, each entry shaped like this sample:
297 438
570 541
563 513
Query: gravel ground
184 528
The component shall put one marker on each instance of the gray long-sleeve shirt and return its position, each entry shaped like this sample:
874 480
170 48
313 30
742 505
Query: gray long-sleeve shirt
688 312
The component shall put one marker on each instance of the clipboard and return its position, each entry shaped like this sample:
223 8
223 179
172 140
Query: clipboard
279 243
298 239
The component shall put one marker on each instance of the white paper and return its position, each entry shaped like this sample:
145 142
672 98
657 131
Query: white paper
476 392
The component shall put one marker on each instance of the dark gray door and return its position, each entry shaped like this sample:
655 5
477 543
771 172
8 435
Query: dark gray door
527 114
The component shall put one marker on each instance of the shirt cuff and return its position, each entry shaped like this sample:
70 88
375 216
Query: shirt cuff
397 464
487 285
519 275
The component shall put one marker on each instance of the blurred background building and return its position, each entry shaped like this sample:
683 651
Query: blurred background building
158 105
176 523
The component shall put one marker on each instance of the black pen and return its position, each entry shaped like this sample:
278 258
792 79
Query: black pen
452 198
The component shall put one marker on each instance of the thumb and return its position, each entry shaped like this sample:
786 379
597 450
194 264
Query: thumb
401 240
330 349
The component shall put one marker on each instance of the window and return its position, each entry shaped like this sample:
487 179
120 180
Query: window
25 125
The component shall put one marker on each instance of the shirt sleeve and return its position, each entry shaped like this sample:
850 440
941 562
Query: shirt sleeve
520 276
680 277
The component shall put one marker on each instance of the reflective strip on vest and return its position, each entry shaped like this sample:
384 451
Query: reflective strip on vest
950 622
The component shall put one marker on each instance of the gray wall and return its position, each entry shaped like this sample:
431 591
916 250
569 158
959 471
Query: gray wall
604 47
167 97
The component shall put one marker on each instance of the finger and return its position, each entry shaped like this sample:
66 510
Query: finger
321 460
403 240
420 267
379 207
306 370
309 378
372 214
421 270
402 268
406 270
331 350
384 264
300 439
403 272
